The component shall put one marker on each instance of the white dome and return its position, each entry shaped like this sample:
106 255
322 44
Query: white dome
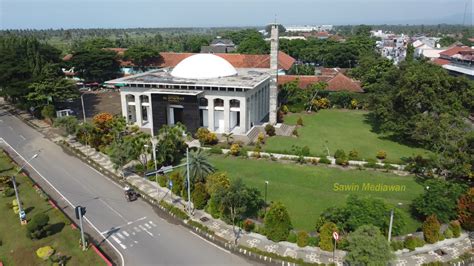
203 66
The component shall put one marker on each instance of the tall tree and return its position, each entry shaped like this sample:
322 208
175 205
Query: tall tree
96 65
141 55
52 87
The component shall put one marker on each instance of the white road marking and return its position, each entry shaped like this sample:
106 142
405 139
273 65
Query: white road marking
119 242
21 136
116 239
133 233
136 229
148 226
142 227
225 250
110 207
60 194
120 235
152 223
136 242
126 234
9 127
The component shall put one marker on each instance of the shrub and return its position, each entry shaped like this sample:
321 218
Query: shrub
339 154
270 130
455 227
367 245
162 181
299 122
303 239
248 225
277 222
261 138
235 149
44 252
292 238
48 111
199 196
412 242
371 163
326 241
67 123
36 227
448 233
215 150
342 161
381 155
284 109
353 155
324 160
205 136
295 132
397 245
8 192
313 241
178 183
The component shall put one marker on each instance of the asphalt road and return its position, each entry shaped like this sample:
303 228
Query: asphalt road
133 228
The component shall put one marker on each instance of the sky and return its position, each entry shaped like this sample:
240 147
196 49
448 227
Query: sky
43 14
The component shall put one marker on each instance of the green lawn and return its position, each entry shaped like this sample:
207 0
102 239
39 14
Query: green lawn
308 190
17 249
339 129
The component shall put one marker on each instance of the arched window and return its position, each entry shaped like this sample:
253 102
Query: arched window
144 99
234 103
130 97
218 102
203 102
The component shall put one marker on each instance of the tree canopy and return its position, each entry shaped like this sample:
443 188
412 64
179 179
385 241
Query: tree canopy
141 55
96 65
367 246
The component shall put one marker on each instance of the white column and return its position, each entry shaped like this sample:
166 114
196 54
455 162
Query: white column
138 110
210 113
123 100
243 115
226 115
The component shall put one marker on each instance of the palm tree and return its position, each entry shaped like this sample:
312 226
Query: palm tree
199 166
229 138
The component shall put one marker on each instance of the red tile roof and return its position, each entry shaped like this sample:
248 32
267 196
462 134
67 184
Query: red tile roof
339 82
440 61
171 59
454 50
342 82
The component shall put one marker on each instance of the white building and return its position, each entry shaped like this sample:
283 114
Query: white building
203 90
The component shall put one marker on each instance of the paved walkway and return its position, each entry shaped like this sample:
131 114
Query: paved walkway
451 248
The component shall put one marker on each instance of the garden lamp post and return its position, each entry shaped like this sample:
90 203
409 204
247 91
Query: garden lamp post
266 188
391 222
21 213
83 108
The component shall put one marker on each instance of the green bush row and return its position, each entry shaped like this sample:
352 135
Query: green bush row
174 210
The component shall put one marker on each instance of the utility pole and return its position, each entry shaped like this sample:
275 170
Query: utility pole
81 211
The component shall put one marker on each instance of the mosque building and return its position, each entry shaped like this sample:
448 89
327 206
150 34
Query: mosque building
203 90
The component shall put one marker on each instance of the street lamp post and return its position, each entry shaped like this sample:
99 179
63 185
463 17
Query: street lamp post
83 109
187 177
391 222
21 213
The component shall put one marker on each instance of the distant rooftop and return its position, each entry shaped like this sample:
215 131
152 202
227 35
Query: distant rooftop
247 78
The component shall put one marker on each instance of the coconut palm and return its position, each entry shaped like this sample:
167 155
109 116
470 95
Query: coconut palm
199 166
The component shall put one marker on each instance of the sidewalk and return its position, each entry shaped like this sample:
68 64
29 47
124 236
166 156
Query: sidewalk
451 248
